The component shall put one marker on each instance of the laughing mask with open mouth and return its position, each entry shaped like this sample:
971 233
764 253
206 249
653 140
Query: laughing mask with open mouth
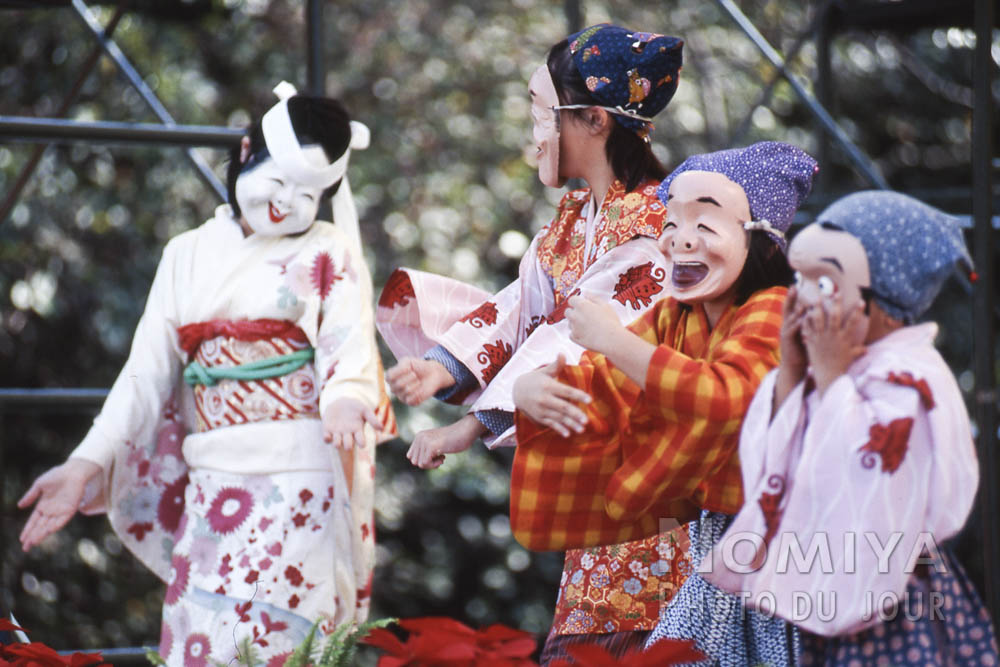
704 237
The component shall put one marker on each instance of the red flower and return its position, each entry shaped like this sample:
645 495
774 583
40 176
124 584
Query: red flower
37 654
279 660
924 389
443 641
166 640
229 509
663 652
180 569
171 505
196 650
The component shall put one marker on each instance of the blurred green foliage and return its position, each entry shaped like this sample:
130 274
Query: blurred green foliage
448 186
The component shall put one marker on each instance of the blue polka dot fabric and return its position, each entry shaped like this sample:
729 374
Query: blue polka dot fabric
634 70
776 177
941 621
911 247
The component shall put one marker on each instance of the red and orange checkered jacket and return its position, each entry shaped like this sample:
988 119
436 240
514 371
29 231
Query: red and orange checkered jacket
666 450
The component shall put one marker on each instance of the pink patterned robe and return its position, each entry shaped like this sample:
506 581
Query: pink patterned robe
845 492
228 492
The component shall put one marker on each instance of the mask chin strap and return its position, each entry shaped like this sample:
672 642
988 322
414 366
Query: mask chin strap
283 145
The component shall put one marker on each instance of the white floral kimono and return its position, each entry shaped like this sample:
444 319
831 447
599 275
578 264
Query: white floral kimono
228 491
609 254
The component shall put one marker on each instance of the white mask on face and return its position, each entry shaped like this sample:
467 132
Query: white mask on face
830 265
545 129
272 203
703 236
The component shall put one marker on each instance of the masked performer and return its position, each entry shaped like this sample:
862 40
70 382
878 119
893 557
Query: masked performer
857 456
664 397
232 453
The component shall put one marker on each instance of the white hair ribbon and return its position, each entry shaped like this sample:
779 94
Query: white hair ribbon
765 226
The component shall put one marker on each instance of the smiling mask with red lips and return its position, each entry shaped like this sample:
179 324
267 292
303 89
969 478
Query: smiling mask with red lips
272 202
704 238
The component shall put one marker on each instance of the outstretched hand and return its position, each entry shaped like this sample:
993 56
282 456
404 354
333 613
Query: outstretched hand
414 380
344 423
58 493
548 402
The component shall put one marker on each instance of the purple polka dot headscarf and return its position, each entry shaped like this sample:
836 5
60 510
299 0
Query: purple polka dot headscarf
775 176
912 248
627 69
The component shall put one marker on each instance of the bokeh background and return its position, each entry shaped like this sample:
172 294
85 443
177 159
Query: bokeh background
448 185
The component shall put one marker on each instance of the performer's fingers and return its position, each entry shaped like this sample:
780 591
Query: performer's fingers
556 425
570 393
369 416
434 462
30 496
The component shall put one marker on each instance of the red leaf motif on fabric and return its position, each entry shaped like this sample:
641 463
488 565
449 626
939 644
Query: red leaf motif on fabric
637 286
271 626
398 290
300 519
889 442
140 530
535 322
225 568
558 313
323 274
486 314
769 505
305 495
274 549
365 532
242 610
907 380
293 575
494 355
293 602
252 576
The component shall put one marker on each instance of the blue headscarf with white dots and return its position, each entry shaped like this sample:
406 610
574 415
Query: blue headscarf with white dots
911 247
775 176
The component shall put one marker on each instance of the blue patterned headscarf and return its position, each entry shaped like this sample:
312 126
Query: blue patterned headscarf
775 176
633 72
911 247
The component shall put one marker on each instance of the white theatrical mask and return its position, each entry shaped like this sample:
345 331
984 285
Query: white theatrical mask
545 127
830 265
704 238
274 204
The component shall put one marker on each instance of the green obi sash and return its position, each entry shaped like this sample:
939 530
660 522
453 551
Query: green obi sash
284 364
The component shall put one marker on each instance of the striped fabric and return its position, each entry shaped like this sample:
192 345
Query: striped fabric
666 450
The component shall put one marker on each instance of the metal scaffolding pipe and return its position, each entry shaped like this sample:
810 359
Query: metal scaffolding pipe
148 96
983 302
854 154
56 130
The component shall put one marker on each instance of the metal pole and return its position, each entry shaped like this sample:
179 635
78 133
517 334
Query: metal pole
854 154
130 73
74 92
20 128
983 298
574 16
315 70
824 92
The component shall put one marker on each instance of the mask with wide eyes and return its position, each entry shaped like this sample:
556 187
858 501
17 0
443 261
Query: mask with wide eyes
824 284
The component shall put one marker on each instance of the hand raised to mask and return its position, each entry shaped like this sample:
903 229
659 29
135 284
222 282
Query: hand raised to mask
413 380
548 402
829 336
794 358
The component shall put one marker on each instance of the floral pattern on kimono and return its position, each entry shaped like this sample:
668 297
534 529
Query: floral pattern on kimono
157 486
500 337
